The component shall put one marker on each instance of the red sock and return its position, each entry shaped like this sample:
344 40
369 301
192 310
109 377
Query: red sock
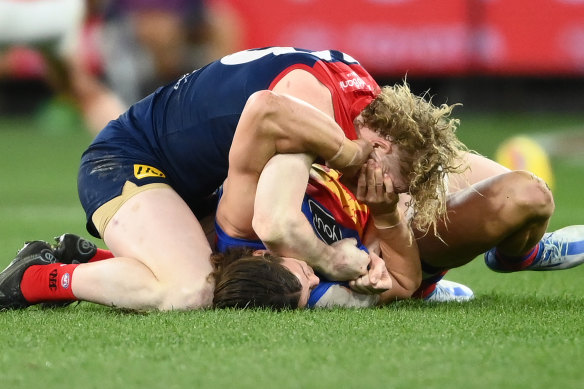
424 291
43 283
517 263
428 284
100 255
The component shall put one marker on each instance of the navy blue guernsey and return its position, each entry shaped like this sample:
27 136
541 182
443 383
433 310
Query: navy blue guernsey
185 129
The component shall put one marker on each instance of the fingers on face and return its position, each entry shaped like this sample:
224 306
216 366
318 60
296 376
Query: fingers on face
373 185
379 189
374 181
388 184
362 184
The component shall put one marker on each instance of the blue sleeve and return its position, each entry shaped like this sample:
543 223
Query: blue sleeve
320 290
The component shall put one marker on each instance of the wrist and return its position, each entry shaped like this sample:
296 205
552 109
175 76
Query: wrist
325 259
344 156
387 220
317 257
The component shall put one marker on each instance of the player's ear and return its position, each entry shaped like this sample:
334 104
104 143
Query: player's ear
382 143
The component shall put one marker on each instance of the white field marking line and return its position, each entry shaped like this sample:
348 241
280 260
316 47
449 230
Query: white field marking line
568 142
36 213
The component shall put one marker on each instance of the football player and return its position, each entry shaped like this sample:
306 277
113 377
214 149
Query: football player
146 180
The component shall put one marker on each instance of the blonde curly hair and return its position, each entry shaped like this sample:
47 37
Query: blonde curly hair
426 135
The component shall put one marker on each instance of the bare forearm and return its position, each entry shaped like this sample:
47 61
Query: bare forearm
400 253
290 125
278 220
296 238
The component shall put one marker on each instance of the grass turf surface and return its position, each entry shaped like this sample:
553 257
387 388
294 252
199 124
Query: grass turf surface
523 329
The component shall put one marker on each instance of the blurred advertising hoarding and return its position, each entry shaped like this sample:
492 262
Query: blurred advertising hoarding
426 37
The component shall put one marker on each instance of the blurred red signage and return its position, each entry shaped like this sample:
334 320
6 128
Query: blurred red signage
425 37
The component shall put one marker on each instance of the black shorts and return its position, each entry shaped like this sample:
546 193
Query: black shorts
103 173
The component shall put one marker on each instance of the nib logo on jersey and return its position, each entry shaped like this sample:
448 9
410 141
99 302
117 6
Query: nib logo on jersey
352 82
324 224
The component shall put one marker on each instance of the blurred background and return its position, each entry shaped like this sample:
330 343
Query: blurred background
69 66
492 55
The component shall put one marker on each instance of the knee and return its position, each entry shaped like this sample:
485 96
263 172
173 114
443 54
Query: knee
530 195
188 296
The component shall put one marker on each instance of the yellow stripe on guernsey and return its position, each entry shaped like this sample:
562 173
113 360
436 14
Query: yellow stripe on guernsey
331 179
144 171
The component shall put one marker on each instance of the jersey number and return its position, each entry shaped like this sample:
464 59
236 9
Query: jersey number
251 55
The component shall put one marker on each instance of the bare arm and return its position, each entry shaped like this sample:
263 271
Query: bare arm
388 233
281 225
271 211
276 122
400 254
296 117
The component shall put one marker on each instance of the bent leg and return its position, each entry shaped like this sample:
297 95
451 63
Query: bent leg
162 257
510 211
480 168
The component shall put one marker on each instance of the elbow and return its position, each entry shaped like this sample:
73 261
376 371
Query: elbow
272 228
410 282
279 230
409 286
259 102
259 109
406 290
404 287
263 226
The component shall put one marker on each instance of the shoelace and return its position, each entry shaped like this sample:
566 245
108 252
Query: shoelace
552 251
440 294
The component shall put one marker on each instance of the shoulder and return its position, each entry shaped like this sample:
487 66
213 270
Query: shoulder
305 86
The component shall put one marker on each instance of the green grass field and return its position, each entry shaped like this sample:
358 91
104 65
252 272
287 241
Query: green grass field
523 330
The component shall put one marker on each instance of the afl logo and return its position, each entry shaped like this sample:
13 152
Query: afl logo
65 280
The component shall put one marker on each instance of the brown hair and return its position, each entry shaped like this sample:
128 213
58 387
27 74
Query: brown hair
243 280
426 134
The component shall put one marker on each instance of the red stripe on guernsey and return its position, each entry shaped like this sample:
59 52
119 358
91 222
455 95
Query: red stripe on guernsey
351 87
324 187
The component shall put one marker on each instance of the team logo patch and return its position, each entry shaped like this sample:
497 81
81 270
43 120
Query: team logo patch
65 280
324 224
144 171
